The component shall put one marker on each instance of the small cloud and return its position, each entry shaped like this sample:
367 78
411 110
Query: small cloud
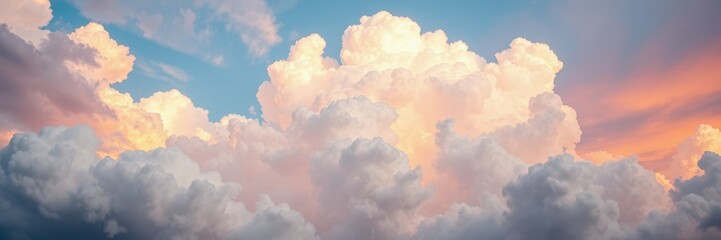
294 35
252 110
174 72
163 71
218 60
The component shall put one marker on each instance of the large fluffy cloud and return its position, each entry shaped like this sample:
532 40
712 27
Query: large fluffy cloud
698 204
367 190
427 79
67 79
25 18
54 181
35 82
406 136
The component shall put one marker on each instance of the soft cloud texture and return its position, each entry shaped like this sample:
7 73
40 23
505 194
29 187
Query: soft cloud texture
53 180
407 136
163 21
684 162
386 58
35 82
67 81
25 18
162 71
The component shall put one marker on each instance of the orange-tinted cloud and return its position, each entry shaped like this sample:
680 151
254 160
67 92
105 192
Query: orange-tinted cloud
654 107
348 145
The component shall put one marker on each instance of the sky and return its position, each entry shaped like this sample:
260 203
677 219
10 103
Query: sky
292 119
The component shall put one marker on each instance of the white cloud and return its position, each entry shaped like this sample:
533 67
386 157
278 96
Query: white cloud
163 71
218 60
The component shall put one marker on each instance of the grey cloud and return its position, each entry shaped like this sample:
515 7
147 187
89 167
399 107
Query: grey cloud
366 190
561 199
480 164
34 82
53 186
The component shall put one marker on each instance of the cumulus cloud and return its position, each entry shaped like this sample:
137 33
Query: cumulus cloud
53 179
684 162
386 58
25 18
698 204
367 190
114 61
35 82
406 136
473 167
66 80
559 199
251 20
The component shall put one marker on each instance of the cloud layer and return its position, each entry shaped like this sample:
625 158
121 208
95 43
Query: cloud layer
407 136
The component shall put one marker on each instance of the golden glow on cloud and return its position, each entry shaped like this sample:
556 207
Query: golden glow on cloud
407 135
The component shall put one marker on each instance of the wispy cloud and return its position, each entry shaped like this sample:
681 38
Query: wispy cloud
252 21
163 71
218 60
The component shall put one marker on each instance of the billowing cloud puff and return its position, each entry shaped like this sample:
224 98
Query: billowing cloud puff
559 199
25 18
66 80
473 167
35 82
179 115
698 206
560 193
262 157
53 180
386 58
367 190
701 194
113 61
683 163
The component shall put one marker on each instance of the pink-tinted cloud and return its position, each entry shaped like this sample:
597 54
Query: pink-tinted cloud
653 108
407 136
36 83
25 18
647 79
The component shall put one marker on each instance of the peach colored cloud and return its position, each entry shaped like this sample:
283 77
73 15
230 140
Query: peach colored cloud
121 123
407 136
653 108
25 18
